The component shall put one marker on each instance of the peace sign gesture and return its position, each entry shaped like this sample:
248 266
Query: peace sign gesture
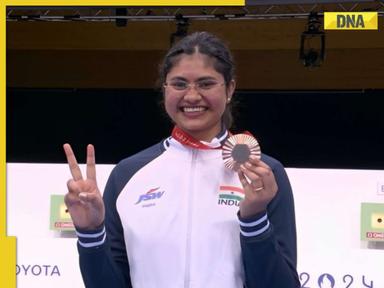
84 201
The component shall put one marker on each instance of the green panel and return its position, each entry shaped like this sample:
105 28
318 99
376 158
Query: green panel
372 221
60 218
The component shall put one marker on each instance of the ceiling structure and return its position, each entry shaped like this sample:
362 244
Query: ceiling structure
252 10
114 47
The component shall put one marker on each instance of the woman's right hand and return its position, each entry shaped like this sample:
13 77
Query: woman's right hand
84 201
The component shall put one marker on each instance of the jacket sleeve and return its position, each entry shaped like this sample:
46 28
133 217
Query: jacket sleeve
103 256
268 240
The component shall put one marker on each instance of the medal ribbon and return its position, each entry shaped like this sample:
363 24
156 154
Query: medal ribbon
186 139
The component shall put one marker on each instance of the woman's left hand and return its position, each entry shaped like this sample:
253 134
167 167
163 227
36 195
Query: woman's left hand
259 185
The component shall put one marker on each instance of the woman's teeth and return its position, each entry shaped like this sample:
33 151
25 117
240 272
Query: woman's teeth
193 109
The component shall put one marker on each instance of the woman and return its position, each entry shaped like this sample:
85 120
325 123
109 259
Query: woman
166 219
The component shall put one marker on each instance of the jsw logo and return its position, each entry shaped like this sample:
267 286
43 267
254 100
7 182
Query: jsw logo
150 195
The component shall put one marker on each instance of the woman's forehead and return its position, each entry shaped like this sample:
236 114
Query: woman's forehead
196 62
204 59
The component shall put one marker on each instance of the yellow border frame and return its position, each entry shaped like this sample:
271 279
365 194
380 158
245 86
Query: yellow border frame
125 3
7 243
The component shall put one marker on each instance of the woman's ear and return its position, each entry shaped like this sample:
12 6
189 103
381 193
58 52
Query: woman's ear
230 90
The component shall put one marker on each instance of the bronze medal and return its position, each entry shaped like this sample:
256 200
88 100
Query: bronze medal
237 150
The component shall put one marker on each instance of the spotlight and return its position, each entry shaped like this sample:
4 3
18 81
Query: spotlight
312 45
121 22
182 25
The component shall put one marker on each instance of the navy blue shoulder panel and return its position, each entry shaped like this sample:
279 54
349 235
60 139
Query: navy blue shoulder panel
270 161
127 167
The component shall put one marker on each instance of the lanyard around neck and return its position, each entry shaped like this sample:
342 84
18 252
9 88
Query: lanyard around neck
186 139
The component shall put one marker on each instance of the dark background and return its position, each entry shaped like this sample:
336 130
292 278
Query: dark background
81 81
317 129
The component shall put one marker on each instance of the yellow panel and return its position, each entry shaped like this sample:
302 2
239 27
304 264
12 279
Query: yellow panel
377 220
350 20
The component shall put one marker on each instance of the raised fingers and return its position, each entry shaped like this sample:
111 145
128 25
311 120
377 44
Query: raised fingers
91 162
72 162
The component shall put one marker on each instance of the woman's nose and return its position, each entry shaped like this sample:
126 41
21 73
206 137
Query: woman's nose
193 94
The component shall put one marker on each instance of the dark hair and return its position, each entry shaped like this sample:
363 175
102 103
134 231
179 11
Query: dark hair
207 44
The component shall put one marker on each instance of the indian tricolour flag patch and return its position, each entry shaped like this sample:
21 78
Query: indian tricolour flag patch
230 195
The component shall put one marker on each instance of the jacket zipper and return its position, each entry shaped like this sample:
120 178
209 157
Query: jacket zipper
187 274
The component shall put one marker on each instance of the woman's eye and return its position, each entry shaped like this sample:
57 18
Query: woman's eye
206 84
179 85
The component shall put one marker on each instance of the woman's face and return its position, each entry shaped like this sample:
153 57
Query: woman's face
197 109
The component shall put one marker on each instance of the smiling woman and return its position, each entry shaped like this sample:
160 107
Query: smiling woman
197 111
160 222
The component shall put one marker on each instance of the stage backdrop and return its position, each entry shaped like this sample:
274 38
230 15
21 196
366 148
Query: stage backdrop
330 252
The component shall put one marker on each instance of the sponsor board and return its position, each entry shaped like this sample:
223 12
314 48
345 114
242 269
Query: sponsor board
372 221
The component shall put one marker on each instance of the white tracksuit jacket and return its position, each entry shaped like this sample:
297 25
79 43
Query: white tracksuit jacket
172 222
